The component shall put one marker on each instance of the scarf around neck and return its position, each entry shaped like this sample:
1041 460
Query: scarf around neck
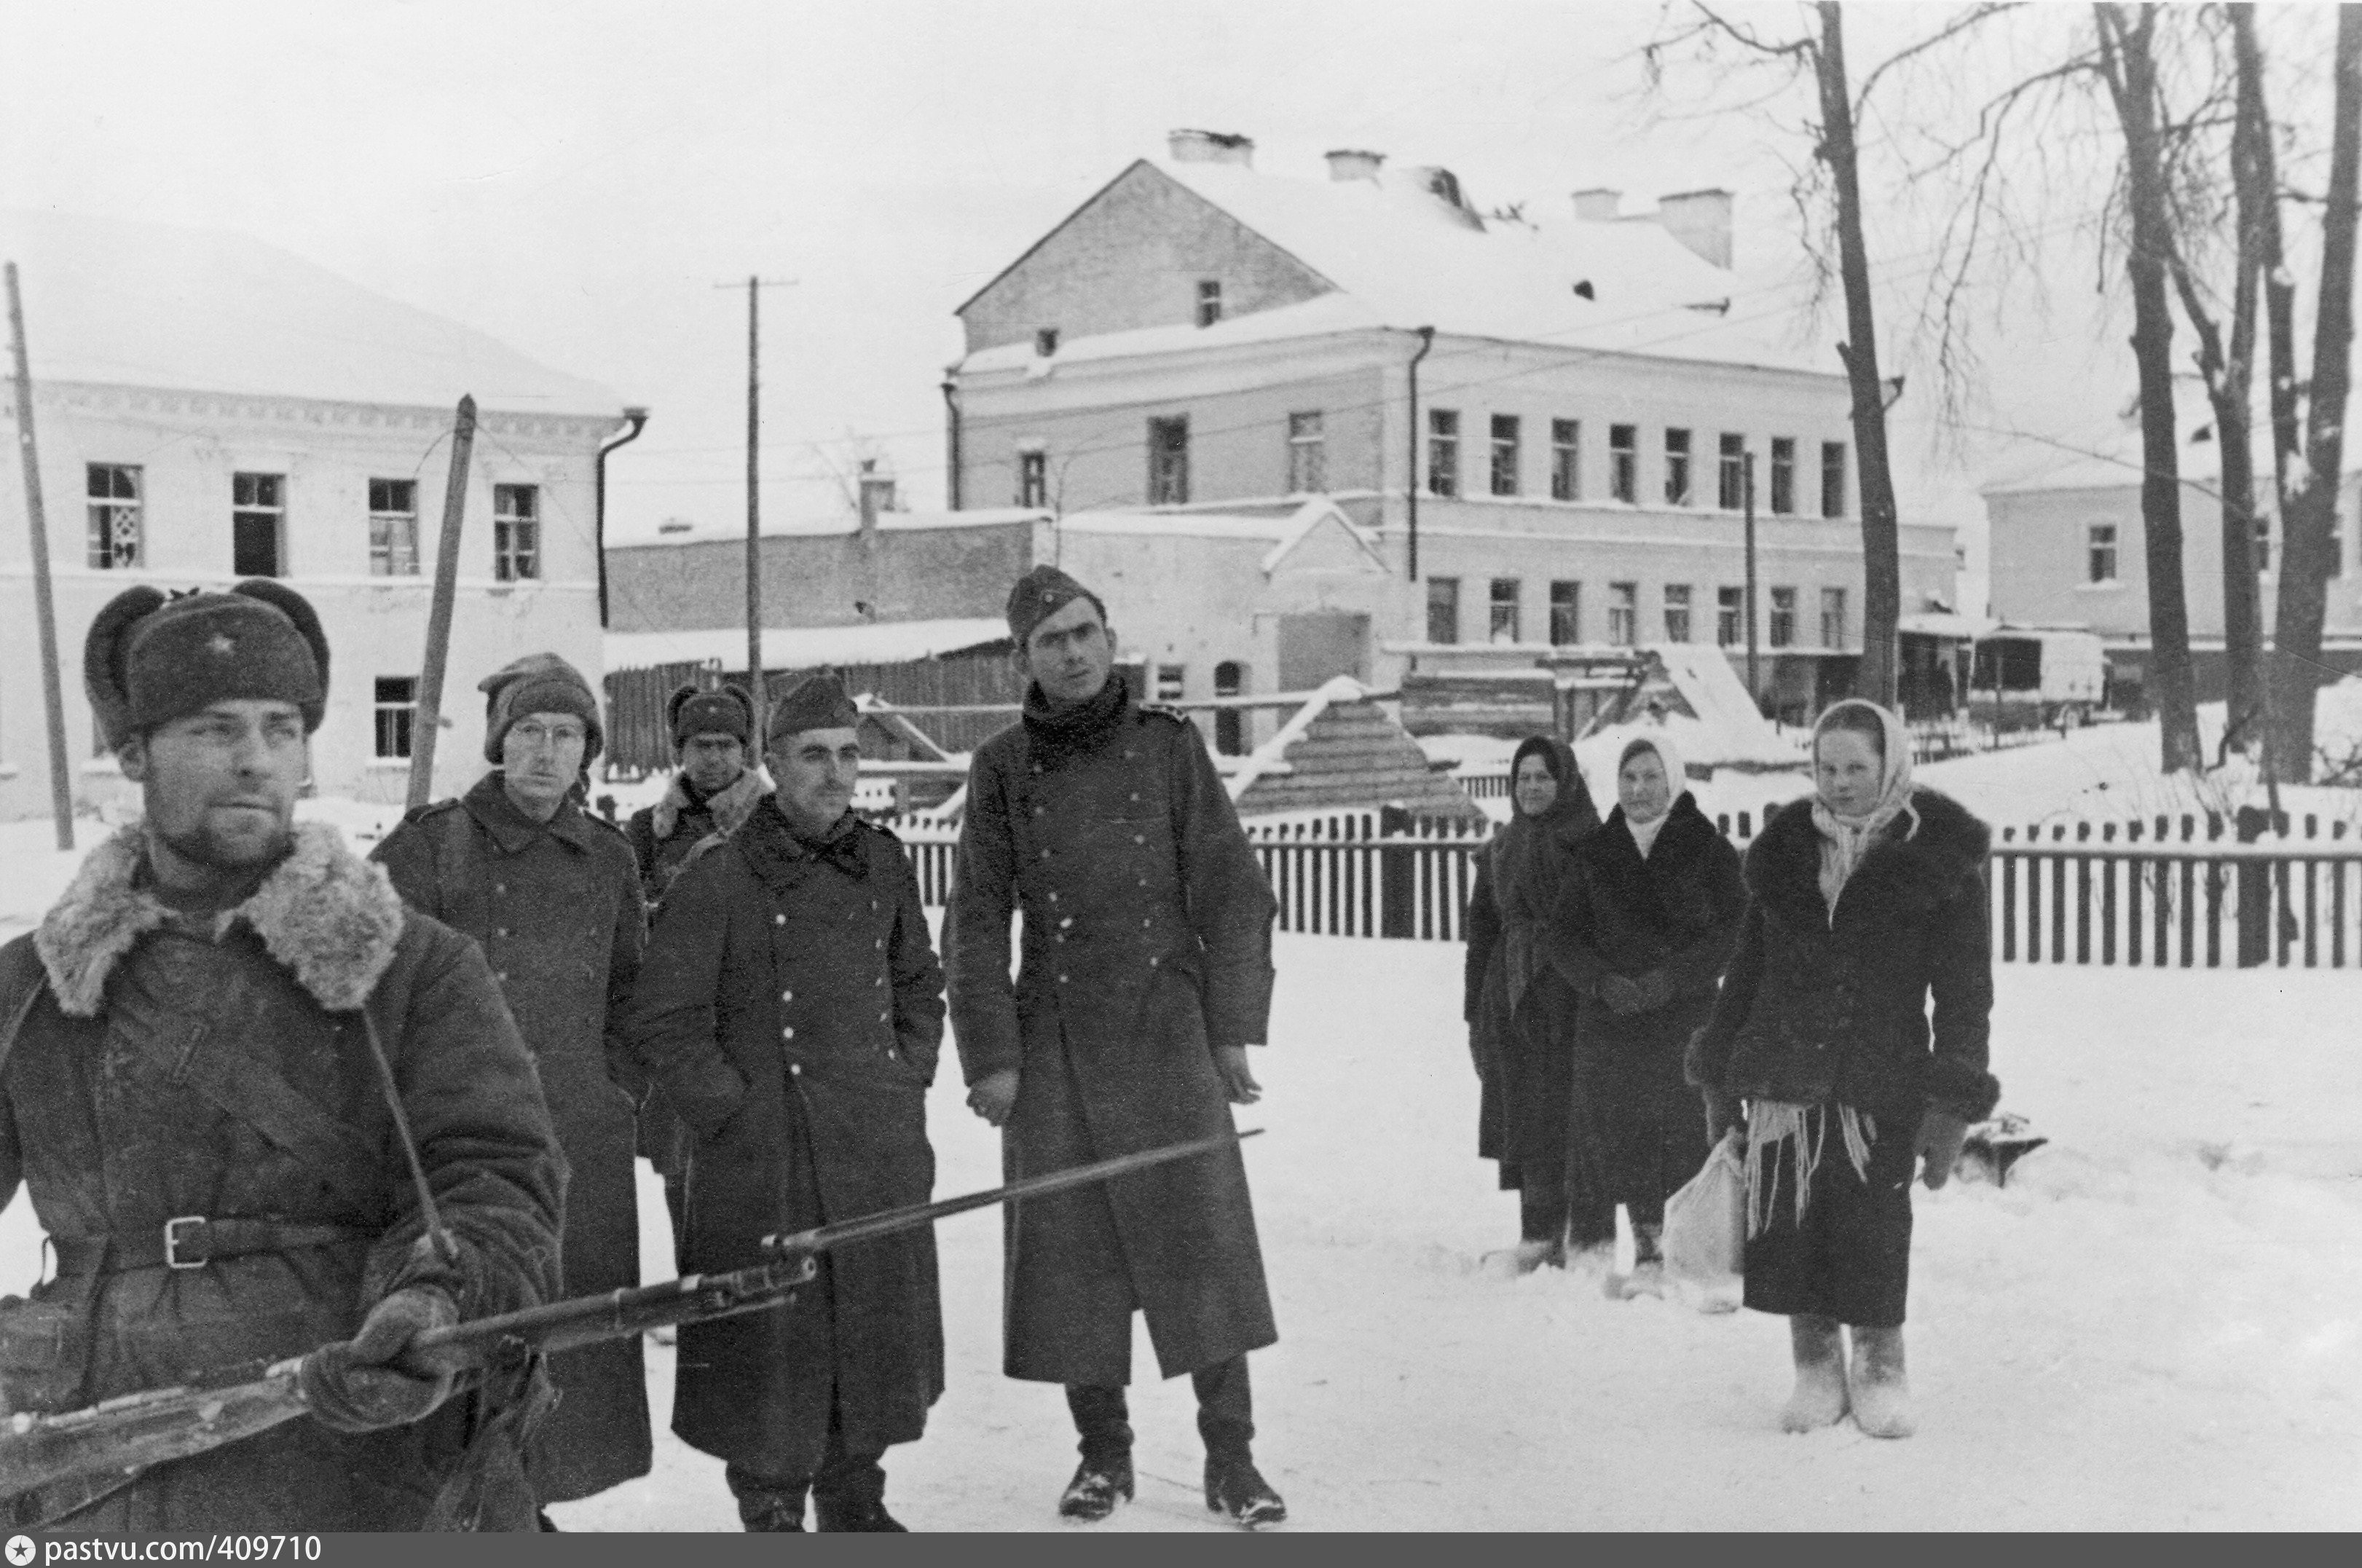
1846 840
1057 732
1644 834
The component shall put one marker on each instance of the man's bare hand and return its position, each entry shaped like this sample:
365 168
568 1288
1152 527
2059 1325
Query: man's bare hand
1231 1062
995 1096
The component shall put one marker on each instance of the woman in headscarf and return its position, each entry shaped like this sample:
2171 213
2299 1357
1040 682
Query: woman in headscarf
1864 901
1521 1016
1643 923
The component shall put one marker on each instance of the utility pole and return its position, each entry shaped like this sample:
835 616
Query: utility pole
755 693
429 722
45 609
1754 692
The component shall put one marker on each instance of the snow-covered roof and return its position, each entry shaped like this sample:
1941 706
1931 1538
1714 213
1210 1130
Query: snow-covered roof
1945 623
1722 726
127 304
1284 534
834 523
806 647
1403 258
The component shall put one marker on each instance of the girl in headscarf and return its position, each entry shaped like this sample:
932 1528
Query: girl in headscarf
1864 902
1522 1015
1643 923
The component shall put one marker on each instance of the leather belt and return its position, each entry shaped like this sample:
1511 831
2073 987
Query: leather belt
193 1241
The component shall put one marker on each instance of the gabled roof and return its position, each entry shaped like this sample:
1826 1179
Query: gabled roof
1285 534
205 310
1407 259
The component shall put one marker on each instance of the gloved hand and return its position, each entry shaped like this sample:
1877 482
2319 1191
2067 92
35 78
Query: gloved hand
1723 1113
1621 994
349 1387
994 1096
1937 1144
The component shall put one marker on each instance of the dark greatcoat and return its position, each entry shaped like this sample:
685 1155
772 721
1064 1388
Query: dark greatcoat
266 1105
790 1010
556 909
1673 914
1817 1007
1147 945
663 836
1522 1015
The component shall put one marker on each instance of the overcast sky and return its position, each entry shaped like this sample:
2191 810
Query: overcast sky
575 177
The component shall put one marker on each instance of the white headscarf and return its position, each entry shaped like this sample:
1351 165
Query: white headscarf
1845 840
1644 834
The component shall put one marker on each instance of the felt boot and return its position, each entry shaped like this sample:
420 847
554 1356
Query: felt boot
1880 1394
1820 1397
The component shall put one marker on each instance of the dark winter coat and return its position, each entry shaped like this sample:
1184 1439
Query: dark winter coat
1820 1006
157 1065
1521 1014
1673 914
556 908
790 1009
1147 946
662 835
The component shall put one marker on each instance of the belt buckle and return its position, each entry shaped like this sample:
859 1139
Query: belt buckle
173 1239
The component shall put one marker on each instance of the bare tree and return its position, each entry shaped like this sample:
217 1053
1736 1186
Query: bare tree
2310 516
2128 66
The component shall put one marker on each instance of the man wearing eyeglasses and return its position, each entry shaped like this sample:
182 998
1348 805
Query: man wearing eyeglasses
552 894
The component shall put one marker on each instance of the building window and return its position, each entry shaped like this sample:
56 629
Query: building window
397 714
1729 616
256 522
1783 475
1442 451
114 503
1566 460
1783 617
1624 461
393 529
1832 478
2103 541
1501 616
1624 613
1677 468
2263 544
1168 461
1730 473
1566 613
1442 609
1209 301
1033 479
1833 617
517 532
1045 341
1172 683
1308 455
1504 454
1231 724
1677 612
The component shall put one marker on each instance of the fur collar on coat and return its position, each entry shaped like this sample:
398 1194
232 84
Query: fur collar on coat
730 804
332 919
1898 873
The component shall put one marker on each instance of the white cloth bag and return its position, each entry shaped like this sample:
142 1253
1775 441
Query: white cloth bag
1705 1228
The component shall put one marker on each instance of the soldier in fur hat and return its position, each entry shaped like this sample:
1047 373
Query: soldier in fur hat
553 895
196 1050
714 739
790 1011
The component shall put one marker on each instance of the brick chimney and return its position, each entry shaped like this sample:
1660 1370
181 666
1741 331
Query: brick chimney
1598 205
876 494
1701 220
1210 147
1351 163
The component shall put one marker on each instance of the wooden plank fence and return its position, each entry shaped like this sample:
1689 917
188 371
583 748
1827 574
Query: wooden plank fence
2163 893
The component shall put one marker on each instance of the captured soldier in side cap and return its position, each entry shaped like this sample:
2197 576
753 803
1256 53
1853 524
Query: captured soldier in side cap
1146 974
197 1050
553 896
790 1010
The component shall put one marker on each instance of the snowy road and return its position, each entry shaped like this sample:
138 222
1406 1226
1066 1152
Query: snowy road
2158 1325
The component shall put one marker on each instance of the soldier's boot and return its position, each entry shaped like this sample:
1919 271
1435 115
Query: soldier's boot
850 1495
1104 1478
1820 1397
766 1504
1880 1394
1234 1488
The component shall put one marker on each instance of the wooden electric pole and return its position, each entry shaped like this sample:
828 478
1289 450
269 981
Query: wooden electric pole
429 720
45 609
755 692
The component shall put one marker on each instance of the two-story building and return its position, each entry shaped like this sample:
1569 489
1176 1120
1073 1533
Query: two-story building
1544 422
209 408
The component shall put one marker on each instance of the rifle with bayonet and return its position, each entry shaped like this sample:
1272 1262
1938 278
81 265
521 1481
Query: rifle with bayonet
51 1464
